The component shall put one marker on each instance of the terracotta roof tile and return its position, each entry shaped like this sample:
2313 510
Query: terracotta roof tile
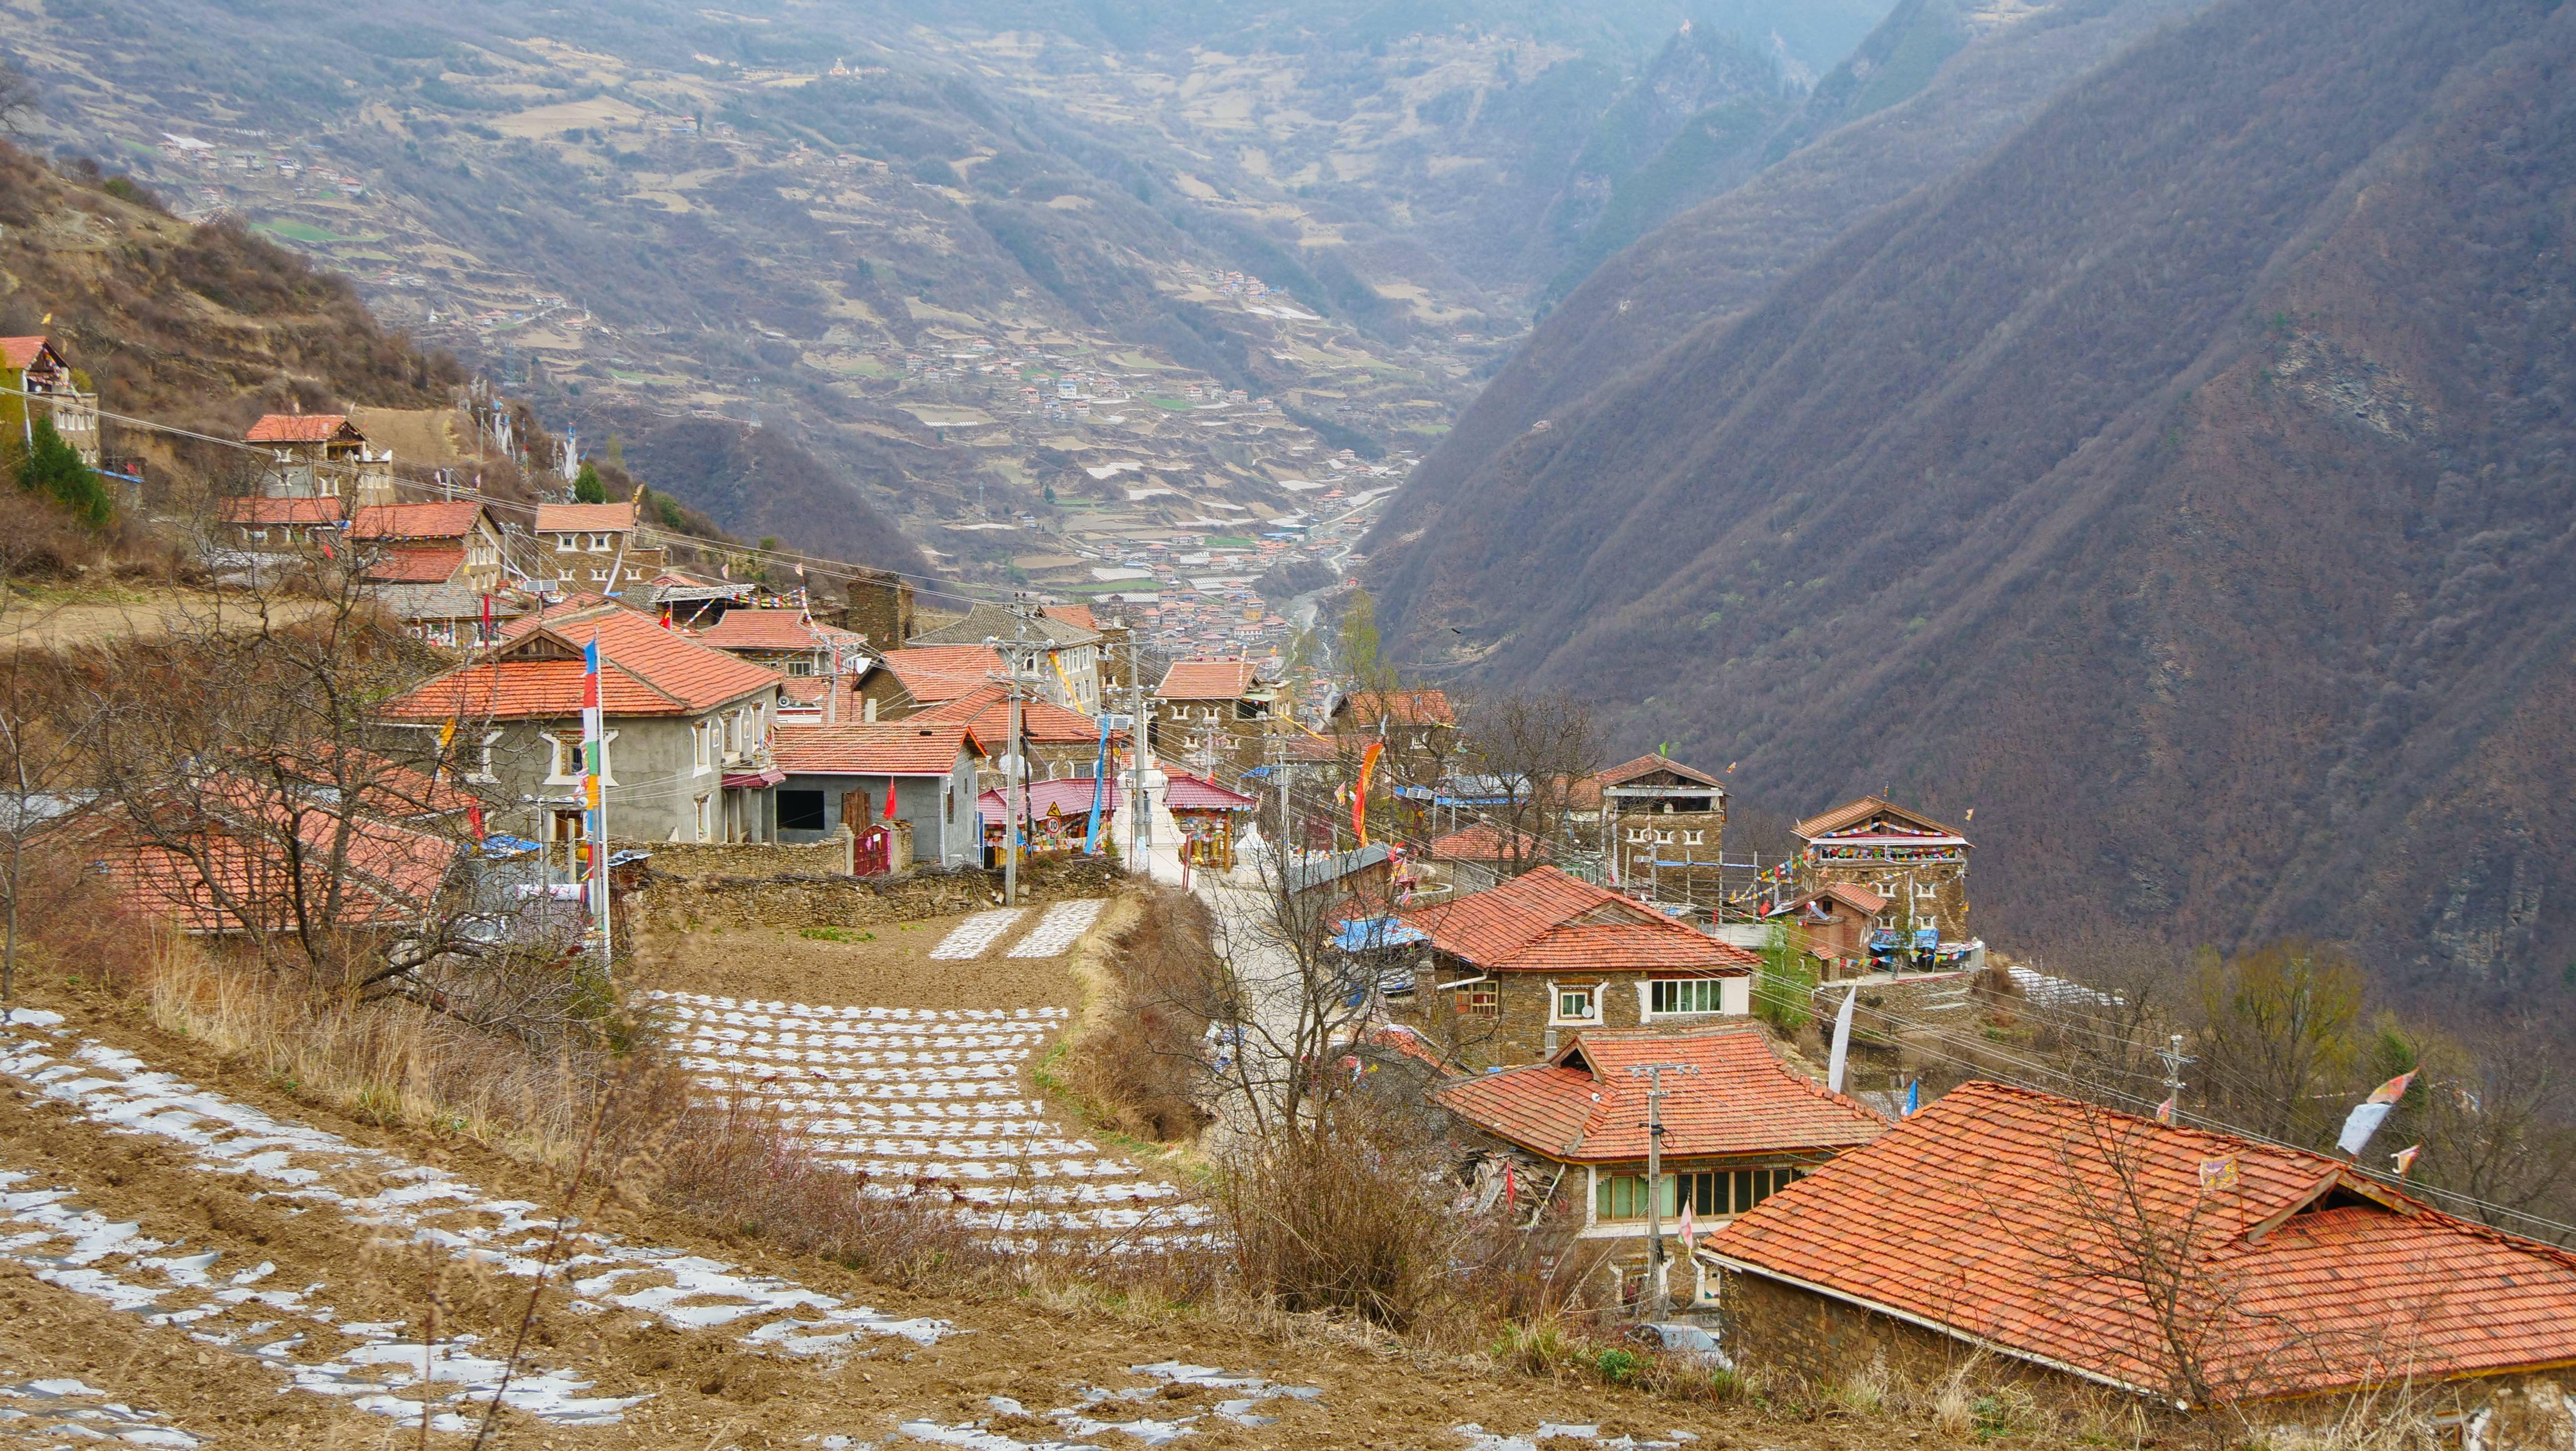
1999 1212
874 748
1206 680
1403 707
16 353
251 509
433 564
393 874
298 428
1078 616
450 519
1546 920
644 670
987 709
585 518
1649 765
773 630
933 673
1843 818
1485 843
1584 1105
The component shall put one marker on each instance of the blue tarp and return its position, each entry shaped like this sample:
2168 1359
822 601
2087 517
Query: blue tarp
1370 933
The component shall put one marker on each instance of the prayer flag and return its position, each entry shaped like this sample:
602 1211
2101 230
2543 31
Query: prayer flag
2371 1112
1690 1226
2217 1175
1842 1042
2393 1090
1913 1098
2166 1110
1359 797
2405 1158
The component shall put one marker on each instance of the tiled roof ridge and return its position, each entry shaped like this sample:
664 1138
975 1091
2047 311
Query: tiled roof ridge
1655 761
1730 1031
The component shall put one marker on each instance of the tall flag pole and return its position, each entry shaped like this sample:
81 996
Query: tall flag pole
1099 791
594 806
1359 797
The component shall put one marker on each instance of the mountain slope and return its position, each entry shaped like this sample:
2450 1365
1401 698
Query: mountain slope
2186 487
1875 129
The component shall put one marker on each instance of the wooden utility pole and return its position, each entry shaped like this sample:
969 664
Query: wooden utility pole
1654 1076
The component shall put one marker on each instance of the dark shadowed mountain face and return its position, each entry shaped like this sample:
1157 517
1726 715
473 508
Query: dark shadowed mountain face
2186 487
760 481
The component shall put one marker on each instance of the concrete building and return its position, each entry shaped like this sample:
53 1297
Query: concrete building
843 775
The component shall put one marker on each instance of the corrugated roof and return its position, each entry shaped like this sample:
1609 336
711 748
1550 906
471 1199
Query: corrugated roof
644 670
1739 1098
299 428
1065 795
874 748
1191 793
1546 920
2024 1219
451 519
585 518
1206 680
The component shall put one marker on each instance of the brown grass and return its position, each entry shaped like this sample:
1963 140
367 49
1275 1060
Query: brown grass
1131 1061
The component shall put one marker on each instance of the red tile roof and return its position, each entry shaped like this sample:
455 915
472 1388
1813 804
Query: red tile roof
1843 818
17 353
251 509
1545 920
1403 707
435 564
1484 843
1649 765
451 519
298 428
1584 1106
2001 1213
754 629
644 670
1192 793
391 874
1206 680
585 518
933 673
1078 616
874 748
1047 724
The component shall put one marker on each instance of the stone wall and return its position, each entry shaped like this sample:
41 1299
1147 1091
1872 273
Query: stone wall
1519 1030
683 900
745 859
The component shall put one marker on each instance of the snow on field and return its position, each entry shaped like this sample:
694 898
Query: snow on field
82 1251
906 1094
970 938
65 1412
1085 1421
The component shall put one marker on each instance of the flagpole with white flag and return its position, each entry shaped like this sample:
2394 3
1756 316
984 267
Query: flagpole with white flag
1842 1042
594 801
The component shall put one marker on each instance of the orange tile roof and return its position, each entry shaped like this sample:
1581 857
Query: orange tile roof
644 670
2000 1213
1403 707
391 874
17 353
1852 814
585 518
252 509
1078 616
1047 724
1649 765
1859 899
450 519
1584 1106
754 629
297 428
874 748
1206 680
1485 843
1546 920
435 564
933 673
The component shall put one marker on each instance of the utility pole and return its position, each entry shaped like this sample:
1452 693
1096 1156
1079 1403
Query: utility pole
1020 652
1654 1076
1140 829
2175 1061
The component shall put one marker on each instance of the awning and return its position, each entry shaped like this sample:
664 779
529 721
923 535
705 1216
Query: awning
1369 933
754 780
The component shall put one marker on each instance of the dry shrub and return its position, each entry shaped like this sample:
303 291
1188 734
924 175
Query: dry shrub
1133 1061
738 1165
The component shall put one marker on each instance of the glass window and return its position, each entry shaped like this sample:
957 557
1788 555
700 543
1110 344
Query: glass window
1476 1002
1574 1003
1686 995
1623 1196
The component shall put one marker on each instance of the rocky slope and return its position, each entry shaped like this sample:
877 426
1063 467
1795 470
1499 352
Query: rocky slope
2185 487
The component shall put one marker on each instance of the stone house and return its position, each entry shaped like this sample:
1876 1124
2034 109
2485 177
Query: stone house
1660 826
789 642
1059 743
1074 649
1507 972
596 548
1475 858
64 396
1832 925
267 526
322 455
914 679
1739 1125
1919 865
453 542
2085 1251
688 730
1212 714
844 775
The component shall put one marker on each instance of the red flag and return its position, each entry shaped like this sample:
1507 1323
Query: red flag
1359 796
1511 1188
474 819
487 614
889 801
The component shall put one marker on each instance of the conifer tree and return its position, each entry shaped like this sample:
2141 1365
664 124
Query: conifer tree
53 468
586 487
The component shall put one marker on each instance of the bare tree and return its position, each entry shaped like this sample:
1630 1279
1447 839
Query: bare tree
42 735
18 102
1531 748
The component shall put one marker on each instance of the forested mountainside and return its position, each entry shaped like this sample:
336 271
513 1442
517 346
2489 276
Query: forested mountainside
2186 488
1936 86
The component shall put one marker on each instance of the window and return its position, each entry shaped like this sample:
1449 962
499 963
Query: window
800 811
568 760
1685 995
1637 833
563 543
599 544
706 818
1476 1002
1623 1196
1726 1192
1693 838
1575 1005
